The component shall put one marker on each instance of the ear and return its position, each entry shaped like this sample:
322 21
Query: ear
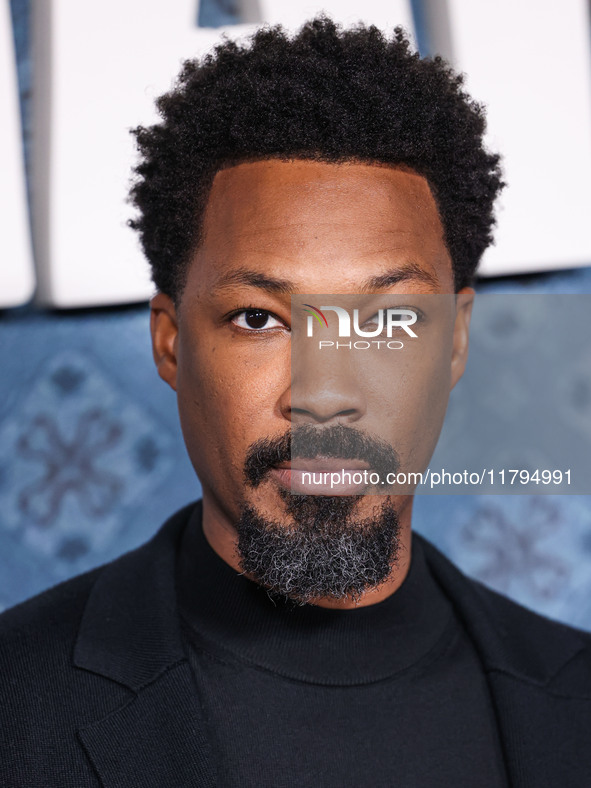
164 330
459 356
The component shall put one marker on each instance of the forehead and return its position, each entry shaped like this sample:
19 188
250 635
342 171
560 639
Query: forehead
305 213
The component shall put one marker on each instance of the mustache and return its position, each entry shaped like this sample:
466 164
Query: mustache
304 441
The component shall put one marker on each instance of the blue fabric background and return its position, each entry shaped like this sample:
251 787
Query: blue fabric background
92 459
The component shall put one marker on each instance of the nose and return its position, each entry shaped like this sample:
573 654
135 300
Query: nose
324 388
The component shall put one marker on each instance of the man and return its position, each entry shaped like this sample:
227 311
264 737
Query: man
275 634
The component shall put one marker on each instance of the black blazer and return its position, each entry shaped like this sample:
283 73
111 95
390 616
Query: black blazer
95 689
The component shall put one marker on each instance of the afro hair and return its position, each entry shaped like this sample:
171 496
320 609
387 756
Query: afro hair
325 94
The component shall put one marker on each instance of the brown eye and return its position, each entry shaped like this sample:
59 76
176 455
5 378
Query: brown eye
256 320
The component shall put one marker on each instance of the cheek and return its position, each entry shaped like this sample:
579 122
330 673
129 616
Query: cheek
410 402
431 389
228 394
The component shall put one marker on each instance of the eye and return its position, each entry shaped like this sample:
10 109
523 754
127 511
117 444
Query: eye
374 320
402 317
256 320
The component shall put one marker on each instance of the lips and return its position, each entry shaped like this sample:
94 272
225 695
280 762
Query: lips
322 476
323 464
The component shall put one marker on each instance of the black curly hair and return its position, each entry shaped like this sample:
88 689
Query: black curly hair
325 94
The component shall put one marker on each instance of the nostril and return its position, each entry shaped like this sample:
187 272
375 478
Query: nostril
305 416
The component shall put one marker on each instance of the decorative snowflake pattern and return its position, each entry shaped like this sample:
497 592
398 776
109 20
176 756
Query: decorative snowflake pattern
70 466
76 452
509 550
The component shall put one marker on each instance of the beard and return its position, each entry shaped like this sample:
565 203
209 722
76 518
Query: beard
325 550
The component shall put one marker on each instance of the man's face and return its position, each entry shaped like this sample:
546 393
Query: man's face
273 229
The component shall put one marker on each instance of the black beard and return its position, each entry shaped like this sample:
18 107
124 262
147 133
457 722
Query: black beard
326 553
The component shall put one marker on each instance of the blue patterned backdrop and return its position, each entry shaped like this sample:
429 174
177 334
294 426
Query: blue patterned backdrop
92 459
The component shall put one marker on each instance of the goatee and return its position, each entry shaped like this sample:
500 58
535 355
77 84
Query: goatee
323 549
327 553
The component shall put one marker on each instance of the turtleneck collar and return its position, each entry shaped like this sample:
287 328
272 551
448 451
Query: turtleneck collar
232 615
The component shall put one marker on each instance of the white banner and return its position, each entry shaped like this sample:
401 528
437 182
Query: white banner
97 69
16 262
529 62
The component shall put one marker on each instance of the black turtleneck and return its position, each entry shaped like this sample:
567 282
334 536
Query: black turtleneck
391 694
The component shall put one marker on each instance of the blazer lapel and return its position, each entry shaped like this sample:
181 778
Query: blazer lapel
130 634
543 712
156 740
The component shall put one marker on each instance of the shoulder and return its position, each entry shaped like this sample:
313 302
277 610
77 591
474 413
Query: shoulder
79 651
512 638
49 622
54 611
37 639
44 699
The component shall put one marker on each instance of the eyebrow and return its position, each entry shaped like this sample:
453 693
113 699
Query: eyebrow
242 276
397 275
245 277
